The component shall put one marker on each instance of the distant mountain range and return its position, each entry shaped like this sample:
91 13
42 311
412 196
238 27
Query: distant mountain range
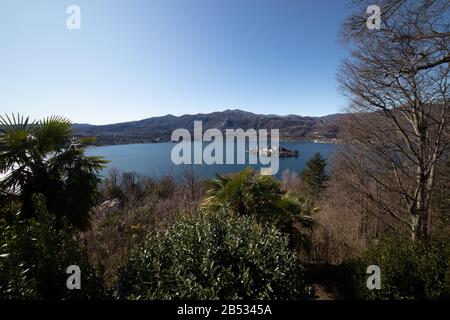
159 129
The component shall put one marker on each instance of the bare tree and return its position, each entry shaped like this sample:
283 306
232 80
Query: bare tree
397 82
193 188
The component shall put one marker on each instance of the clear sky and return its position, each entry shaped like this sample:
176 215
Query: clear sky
134 59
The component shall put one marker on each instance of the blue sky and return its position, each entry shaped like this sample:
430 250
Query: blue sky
140 58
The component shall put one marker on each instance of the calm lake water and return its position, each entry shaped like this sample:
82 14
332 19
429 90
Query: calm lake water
155 159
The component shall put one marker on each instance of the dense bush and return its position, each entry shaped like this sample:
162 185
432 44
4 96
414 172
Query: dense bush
214 256
34 256
261 197
408 271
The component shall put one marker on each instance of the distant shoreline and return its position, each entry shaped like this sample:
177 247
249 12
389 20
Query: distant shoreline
318 141
294 128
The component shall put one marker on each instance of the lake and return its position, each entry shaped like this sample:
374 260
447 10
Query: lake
154 159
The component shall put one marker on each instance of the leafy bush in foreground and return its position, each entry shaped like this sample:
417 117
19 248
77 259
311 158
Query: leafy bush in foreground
214 256
34 256
409 270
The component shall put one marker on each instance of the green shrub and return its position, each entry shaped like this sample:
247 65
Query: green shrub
408 270
34 256
216 255
261 197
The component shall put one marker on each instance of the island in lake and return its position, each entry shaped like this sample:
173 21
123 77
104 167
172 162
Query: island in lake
275 152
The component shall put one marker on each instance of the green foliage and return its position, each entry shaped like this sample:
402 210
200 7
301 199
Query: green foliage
297 220
34 256
42 157
245 192
441 203
260 196
409 270
218 255
314 176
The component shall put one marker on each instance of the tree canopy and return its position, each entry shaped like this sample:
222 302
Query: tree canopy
43 157
314 176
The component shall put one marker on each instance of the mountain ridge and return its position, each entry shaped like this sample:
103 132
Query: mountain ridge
159 129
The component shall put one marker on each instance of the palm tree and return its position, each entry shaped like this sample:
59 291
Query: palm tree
44 158
299 221
245 192
261 196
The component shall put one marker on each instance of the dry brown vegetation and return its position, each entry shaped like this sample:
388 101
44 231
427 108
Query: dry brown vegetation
135 206
349 220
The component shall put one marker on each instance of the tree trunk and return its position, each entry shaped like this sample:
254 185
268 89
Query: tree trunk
421 210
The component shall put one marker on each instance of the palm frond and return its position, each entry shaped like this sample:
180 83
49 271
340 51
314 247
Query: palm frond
53 133
15 140
13 123
13 179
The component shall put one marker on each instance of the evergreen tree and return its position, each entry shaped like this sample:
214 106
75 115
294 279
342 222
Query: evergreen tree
314 176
